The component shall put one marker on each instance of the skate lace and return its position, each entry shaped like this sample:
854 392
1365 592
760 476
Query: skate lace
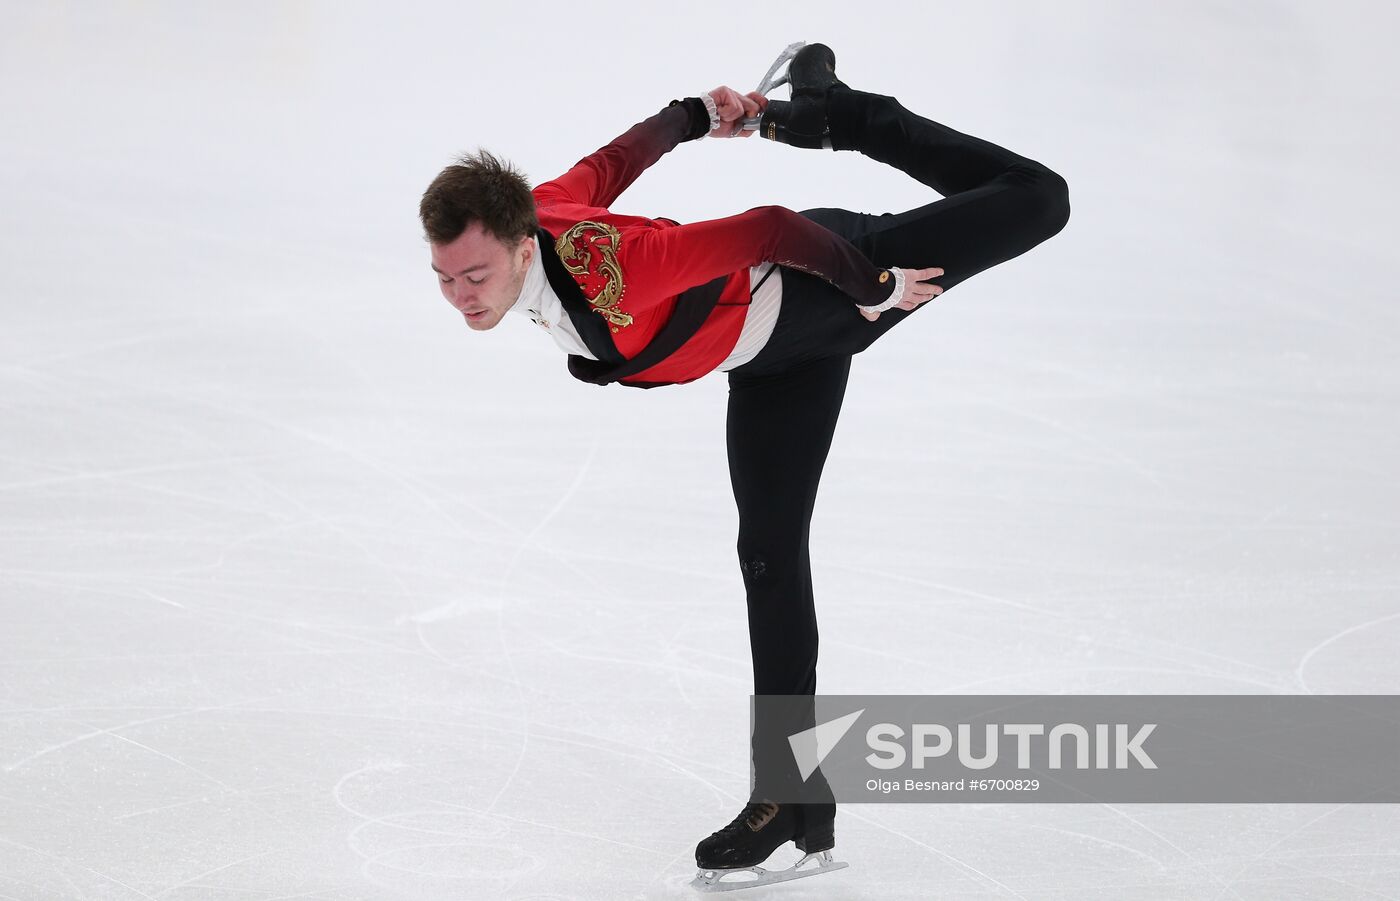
754 816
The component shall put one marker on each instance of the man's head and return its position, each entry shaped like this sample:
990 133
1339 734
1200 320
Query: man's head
479 218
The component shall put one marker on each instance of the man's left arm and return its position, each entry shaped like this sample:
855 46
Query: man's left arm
661 263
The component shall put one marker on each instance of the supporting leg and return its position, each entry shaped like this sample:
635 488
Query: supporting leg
779 431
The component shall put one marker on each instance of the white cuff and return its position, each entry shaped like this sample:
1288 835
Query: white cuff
712 109
895 296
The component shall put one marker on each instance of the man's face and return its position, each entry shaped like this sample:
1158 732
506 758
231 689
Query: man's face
481 276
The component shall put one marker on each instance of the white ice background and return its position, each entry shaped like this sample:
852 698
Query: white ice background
309 591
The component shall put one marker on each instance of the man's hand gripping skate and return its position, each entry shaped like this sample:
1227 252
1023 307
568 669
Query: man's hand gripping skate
732 108
914 291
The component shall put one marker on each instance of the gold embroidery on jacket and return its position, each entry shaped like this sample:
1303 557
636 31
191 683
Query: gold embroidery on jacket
792 264
589 251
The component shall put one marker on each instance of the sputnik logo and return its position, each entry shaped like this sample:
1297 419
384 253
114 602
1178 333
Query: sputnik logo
810 746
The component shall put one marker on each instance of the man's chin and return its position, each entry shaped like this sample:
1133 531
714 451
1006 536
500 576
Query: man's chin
485 323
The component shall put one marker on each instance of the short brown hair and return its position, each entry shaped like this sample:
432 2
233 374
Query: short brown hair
479 187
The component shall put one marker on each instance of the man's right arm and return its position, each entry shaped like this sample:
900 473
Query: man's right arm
598 179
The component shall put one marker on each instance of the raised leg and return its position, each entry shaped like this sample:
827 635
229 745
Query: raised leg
998 205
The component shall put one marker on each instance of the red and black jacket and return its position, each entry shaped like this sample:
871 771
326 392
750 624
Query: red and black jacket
657 302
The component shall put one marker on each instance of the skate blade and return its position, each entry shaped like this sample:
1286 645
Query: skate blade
771 79
753 877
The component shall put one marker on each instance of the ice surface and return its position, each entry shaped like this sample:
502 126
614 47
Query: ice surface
308 591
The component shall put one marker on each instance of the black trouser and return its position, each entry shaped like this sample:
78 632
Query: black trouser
783 404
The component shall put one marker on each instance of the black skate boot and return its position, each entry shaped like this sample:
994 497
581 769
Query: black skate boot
737 850
801 121
751 838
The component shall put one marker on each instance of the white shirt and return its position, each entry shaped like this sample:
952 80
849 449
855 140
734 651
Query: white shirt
760 318
539 302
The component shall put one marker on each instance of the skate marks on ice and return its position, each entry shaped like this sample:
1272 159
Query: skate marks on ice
431 845
458 606
435 825
1348 632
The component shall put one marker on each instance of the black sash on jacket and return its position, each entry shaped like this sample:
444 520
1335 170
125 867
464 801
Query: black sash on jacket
693 307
